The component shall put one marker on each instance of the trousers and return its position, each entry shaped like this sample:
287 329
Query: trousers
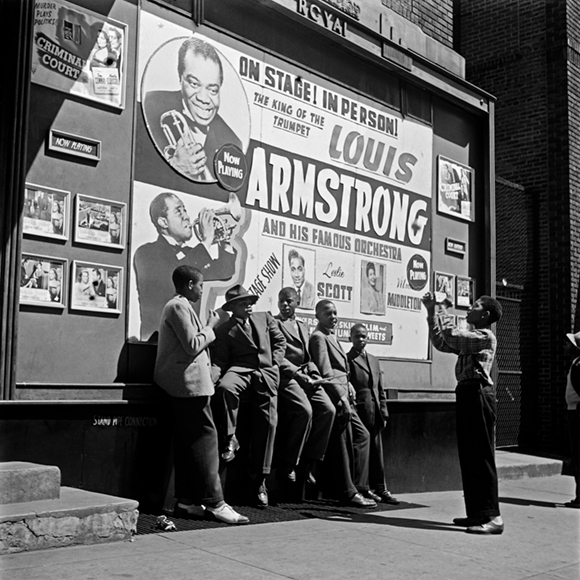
248 385
195 451
475 418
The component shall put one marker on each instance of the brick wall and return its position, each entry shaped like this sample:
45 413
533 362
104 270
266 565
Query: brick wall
517 50
434 17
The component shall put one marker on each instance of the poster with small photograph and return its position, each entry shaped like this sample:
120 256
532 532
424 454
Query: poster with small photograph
96 287
454 188
465 291
298 274
372 288
444 287
99 222
43 280
46 212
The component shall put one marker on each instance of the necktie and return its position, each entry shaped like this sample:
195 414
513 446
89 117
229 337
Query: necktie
299 296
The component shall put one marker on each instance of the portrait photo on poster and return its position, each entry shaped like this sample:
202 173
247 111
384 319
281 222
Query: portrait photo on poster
46 212
99 222
172 229
455 185
96 287
43 280
194 107
465 290
299 271
444 287
372 287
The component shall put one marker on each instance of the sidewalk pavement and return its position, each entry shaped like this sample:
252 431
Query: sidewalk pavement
541 541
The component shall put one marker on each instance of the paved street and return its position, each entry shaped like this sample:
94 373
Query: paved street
541 541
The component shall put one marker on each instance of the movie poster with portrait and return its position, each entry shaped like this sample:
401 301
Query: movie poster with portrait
96 287
260 173
80 52
454 188
99 222
43 281
46 212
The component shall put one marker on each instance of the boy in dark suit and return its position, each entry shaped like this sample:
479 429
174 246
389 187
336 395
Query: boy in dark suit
349 437
305 412
248 351
371 406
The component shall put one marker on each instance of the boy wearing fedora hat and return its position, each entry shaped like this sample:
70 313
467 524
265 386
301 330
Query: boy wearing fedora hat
573 410
248 351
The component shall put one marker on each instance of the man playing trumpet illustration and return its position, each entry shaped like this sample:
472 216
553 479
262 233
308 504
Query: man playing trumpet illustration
155 261
185 124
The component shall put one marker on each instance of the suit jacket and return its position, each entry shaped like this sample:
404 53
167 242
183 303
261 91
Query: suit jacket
371 400
296 353
307 296
235 351
331 361
183 367
158 102
154 263
222 268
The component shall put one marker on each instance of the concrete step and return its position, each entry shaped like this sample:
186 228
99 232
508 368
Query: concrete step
21 481
76 517
514 465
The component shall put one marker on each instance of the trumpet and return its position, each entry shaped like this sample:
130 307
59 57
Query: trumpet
176 128
225 220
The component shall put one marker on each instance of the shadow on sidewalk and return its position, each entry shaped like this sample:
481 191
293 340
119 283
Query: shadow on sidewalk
531 502
412 523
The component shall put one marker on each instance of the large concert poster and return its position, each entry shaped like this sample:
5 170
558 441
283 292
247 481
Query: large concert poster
260 173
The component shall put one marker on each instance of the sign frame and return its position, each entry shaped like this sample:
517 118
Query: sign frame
54 134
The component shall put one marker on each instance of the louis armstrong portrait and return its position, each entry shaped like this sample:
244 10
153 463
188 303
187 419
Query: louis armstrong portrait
185 124
155 261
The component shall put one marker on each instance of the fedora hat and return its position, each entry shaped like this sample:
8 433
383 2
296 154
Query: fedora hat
235 293
574 339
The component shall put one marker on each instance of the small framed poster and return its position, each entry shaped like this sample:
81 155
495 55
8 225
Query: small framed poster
46 212
96 287
465 291
43 280
80 52
99 222
455 188
444 287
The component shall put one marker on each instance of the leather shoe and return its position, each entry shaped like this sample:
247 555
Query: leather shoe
230 449
262 496
226 514
182 511
489 528
385 496
466 522
357 500
371 495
